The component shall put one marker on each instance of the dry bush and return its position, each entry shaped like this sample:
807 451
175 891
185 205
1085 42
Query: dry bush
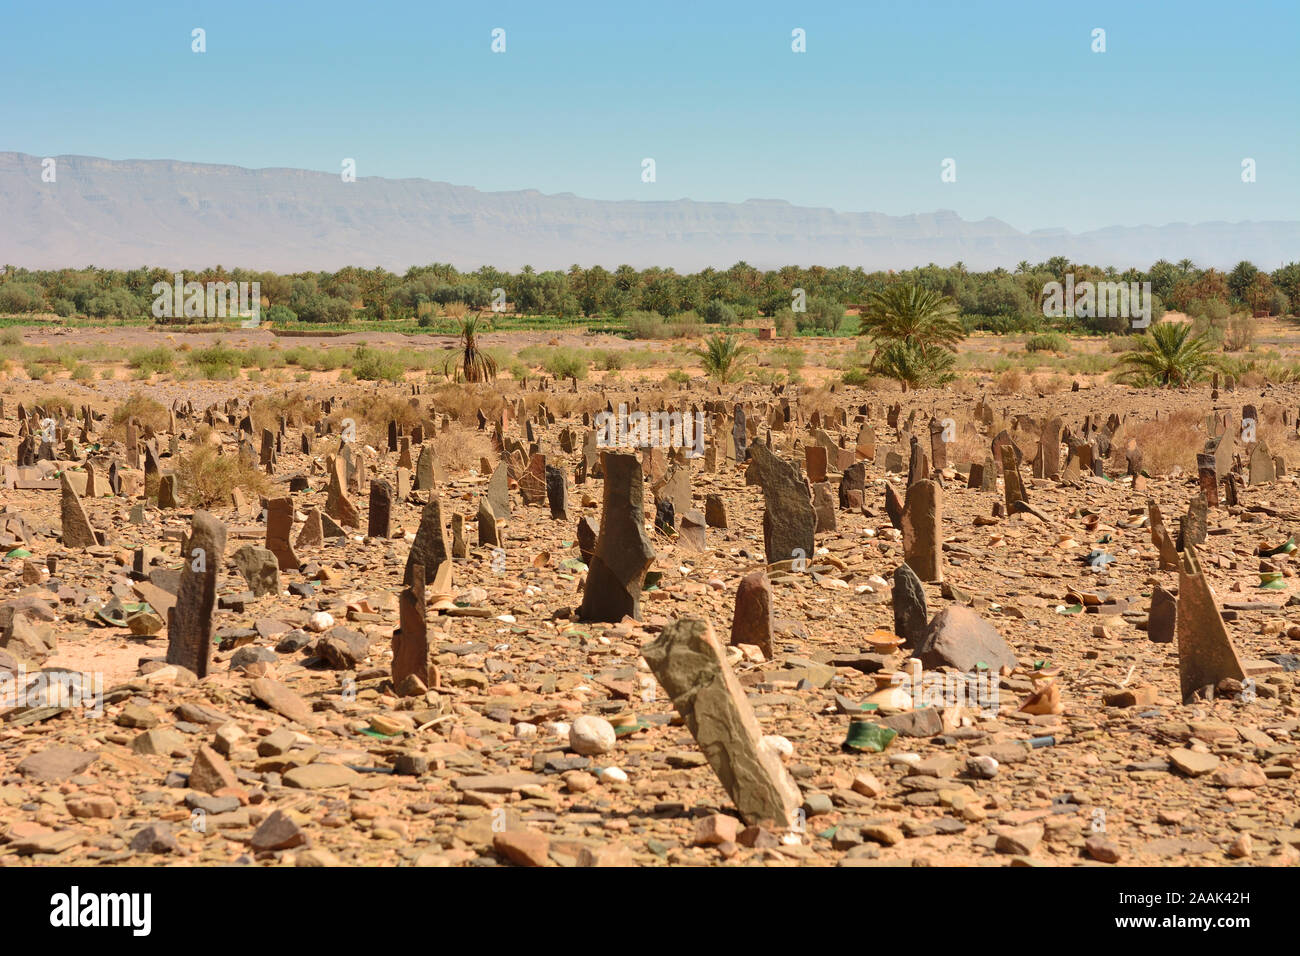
267 410
1173 439
1010 382
462 401
372 411
1051 384
821 400
144 410
1241 332
460 447
206 477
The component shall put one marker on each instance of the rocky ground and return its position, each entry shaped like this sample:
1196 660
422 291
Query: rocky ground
538 738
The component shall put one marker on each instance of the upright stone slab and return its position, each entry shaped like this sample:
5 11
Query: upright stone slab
532 483
312 534
557 492
424 477
189 624
923 530
1050 438
751 621
77 530
430 550
498 491
260 569
1208 478
815 462
1206 654
853 479
459 544
789 522
689 662
893 506
739 434
588 534
337 503
1162 619
1195 526
279 529
1262 470
167 496
938 446
411 639
380 519
488 534
623 553
911 614
824 508
715 511
1012 487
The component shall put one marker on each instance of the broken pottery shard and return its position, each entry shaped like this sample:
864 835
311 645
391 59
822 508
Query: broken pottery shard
960 638
77 531
690 664
923 530
380 519
430 550
411 640
279 526
1206 654
911 615
751 621
789 522
623 553
189 625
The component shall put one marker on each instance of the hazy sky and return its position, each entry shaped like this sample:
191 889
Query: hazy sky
1045 133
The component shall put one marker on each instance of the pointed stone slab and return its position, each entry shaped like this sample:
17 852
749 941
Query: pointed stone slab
488 535
411 639
623 553
379 522
431 550
1206 654
1013 487
751 621
498 491
77 530
189 625
312 534
789 522
690 664
911 614
923 530
337 503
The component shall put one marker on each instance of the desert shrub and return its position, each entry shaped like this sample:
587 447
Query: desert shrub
1009 382
63 307
791 359
1047 342
279 314
460 447
611 360
372 365
863 377
646 325
206 477
11 337
566 363
83 373
786 326
685 325
152 361
217 361
678 377
1240 333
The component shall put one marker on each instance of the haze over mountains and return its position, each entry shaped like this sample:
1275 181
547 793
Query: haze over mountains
130 213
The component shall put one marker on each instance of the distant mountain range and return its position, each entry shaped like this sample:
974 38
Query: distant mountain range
130 213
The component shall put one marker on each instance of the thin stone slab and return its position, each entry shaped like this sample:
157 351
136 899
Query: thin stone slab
411 639
691 665
911 613
923 530
312 534
1162 619
789 523
337 503
1206 654
751 621
498 491
279 528
77 530
189 625
379 523
488 534
430 550
623 553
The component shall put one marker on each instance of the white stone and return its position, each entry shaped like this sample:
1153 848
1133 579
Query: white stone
612 774
590 735
525 730
320 621
777 744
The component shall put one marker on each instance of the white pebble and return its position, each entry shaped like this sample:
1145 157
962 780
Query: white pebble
613 774
320 621
777 745
555 728
525 730
907 760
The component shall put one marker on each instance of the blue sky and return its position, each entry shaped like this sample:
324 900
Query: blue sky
1045 133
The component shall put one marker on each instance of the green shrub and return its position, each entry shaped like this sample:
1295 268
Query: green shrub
372 365
153 361
645 325
566 363
1047 342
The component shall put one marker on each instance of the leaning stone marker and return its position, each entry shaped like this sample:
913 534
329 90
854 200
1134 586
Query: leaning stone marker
690 664
1206 654
911 615
623 553
279 526
189 625
411 639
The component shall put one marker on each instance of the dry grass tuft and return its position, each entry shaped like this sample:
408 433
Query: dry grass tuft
206 477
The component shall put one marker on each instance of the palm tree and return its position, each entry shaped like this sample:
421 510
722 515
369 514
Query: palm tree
477 365
721 357
910 313
1185 266
1167 355
915 366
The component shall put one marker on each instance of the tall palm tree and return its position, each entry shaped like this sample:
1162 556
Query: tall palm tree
1167 355
1185 266
910 313
477 365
